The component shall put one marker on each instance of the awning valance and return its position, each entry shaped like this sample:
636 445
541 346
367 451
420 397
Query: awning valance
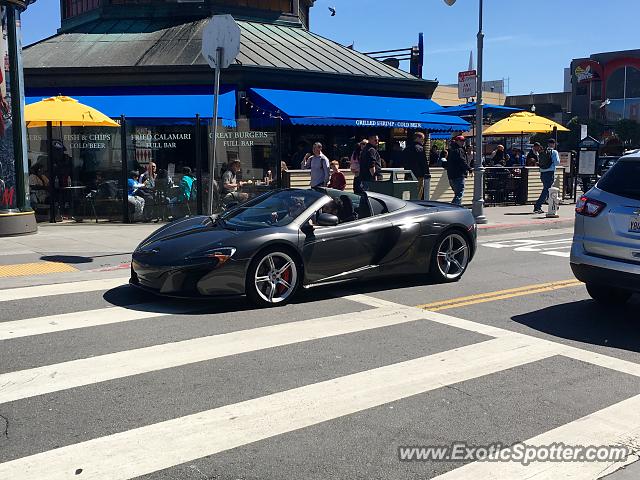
160 106
337 109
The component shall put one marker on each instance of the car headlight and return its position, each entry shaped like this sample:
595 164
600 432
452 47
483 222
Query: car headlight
221 254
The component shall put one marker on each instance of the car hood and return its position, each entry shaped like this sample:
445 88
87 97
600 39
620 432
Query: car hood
180 240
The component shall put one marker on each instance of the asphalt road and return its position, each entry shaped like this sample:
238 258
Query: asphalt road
99 381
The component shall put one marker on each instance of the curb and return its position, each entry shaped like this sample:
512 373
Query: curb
542 224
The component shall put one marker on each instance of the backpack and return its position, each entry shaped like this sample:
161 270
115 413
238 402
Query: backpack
545 161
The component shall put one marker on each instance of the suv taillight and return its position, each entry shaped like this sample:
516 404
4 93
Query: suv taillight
589 207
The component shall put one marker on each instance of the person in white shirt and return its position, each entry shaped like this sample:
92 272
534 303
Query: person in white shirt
548 161
319 164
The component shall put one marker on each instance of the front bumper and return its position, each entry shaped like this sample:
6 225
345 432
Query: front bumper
190 280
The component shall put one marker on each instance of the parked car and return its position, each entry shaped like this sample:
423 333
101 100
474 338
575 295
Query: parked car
605 253
284 240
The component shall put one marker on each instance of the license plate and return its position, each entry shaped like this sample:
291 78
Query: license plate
634 224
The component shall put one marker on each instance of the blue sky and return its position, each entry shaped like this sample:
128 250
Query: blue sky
528 41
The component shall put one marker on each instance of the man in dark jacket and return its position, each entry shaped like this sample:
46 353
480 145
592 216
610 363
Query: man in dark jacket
458 167
416 161
370 162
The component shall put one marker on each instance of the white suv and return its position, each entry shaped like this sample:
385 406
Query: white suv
605 253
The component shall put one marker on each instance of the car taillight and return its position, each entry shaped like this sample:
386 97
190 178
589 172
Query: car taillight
589 207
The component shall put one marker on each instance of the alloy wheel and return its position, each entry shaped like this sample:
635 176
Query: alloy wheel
453 256
276 277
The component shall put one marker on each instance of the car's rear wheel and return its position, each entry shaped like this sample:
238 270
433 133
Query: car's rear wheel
273 278
450 257
608 295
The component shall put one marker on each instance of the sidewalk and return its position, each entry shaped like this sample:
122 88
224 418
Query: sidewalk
521 218
88 249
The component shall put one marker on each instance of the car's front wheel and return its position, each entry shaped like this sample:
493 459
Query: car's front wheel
450 257
608 295
273 278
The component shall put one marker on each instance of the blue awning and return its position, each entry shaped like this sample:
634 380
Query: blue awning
160 106
469 110
338 109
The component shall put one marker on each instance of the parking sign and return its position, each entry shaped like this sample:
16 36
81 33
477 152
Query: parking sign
467 82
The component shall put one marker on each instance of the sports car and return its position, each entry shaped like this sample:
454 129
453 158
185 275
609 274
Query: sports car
284 240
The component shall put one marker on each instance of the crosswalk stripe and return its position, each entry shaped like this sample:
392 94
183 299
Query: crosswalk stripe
51 378
24 293
89 318
162 445
618 424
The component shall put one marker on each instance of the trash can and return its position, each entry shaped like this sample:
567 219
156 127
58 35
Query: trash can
398 183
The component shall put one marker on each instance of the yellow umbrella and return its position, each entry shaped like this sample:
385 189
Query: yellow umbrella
65 112
523 122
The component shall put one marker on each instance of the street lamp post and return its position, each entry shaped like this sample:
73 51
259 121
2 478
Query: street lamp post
478 170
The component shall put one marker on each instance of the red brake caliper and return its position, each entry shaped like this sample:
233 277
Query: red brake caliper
286 276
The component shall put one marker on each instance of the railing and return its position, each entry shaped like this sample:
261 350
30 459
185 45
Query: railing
503 185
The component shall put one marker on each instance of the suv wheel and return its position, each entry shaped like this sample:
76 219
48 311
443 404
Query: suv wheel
608 295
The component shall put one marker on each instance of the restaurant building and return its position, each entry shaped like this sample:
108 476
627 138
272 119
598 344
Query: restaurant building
140 62
606 86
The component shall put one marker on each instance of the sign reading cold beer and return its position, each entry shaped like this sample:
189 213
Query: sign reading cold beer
387 124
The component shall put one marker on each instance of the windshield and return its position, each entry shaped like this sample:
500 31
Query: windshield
623 179
274 209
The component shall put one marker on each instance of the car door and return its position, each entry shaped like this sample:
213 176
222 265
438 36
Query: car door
345 250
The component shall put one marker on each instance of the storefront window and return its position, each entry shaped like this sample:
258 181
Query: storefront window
632 109
82 179
252 143
8 196
615 84
615 110
633 83
596 90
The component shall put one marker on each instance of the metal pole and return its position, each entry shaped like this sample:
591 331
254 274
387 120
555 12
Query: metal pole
124 171
52 191
213 164
16 82
478 181
198 141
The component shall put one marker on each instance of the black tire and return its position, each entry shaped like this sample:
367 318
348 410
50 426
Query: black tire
273 283
608 295
443 255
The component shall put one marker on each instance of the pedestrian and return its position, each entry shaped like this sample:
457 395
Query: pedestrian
497 157
370 162
533 156
416 161
319 165
133 187
458 168
354 165
337 179
549 159
297 158
434 157
444 155
516 159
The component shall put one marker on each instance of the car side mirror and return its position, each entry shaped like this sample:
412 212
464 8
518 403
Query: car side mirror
327 220
306 228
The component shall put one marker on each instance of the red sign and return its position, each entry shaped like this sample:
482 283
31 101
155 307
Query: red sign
467 82
588 71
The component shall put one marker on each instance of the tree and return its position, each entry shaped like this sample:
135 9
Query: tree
628 131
